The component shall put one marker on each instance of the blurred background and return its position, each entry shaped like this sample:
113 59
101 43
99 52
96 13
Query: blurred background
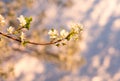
94 57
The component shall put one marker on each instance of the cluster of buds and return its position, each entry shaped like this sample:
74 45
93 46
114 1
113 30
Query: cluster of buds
64 35
23 22
75 31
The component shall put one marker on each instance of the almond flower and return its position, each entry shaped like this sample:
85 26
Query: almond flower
22 36
2 20
63 33
22 20
10 30
53 33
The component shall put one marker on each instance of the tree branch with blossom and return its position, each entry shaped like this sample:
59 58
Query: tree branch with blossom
57 38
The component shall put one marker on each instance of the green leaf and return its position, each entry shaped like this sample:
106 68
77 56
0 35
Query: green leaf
28 21
63 44
24 43
57 45
69 36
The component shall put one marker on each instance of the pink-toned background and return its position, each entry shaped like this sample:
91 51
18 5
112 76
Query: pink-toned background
100 45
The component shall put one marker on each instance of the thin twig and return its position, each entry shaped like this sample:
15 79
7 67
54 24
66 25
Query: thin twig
19 28
29 42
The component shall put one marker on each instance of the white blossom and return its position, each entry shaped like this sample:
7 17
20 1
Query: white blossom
10 30
22 20
53 33
2 20
63 33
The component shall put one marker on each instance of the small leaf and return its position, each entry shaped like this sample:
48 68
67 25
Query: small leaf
57 45
24 43
63 44
69 36
28 21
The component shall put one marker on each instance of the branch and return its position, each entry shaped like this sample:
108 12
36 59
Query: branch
29 42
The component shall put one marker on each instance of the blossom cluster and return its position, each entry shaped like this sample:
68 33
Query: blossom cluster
23 23
64 35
